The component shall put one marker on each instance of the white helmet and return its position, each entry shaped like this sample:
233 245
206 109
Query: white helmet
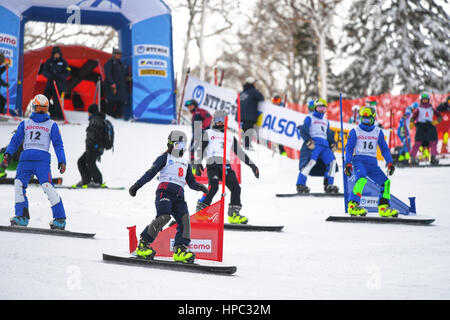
39 104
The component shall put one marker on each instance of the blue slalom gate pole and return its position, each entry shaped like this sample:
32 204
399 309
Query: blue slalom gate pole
343 155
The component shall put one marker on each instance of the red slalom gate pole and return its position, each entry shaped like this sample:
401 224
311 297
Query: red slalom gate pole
222 200
60 103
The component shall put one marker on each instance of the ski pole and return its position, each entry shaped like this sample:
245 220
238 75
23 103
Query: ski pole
60 104
7 92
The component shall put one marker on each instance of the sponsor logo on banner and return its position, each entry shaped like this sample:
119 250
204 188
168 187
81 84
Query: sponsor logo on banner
144 72
212 98
197 245
151 49
370 202
8 39
153 63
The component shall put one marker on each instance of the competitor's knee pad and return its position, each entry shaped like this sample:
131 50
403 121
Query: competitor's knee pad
157 224
359 186
332 169
19 191
386 189
185 221
51 193
306 169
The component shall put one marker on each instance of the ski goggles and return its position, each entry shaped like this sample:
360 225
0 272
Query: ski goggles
219 119
179 145
40 109
367 120
189 103
276 100
321 108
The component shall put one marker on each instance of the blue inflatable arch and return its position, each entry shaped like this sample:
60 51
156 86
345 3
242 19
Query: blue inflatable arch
145 38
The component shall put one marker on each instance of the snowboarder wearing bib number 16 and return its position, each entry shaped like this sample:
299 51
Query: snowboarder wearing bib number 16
175 171
361 157
36 133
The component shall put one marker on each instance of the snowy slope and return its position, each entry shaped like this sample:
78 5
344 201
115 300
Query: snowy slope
311 259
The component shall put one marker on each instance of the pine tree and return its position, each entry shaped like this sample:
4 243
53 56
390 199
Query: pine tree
396 44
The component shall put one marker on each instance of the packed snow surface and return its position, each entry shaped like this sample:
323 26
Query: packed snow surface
310 259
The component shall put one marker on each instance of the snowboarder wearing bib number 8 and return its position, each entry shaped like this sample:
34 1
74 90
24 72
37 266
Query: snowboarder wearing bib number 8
175 171
361 158
36 134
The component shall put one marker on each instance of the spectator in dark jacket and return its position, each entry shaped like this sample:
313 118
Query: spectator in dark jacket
199 116
115 85
95 134
3 67
444 106
55 69
250 97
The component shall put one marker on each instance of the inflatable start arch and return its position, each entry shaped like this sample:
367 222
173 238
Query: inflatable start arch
145 38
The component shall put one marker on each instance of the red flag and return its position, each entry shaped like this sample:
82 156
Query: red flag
133 239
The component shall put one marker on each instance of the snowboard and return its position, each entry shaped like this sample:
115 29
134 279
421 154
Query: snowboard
311 194
56 181
52 232
171 265
90 188
250 227
389 220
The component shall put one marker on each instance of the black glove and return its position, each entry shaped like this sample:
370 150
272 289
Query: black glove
391 169
348 169
6 159
255 170
310 144
62 167
133 189
198 169
203 188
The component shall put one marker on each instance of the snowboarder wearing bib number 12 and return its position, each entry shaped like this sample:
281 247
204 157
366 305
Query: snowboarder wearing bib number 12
37 133
361 157
175 171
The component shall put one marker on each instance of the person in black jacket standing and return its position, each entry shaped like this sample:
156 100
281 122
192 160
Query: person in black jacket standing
3 65
250 97
115 85
95 133
55 69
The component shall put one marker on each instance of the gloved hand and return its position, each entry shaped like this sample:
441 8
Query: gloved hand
62 167
310 144
203 188
198 169
391 169
255 170
348 169
6 159
411 125
133 189
333 147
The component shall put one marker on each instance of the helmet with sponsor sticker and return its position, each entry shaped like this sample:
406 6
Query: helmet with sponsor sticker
39 104
367 115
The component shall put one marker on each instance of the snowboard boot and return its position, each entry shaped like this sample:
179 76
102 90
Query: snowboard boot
183 254
330 188
19 221
234 216
144 250
434 160
200 206
385 211
354 209
58 224
302 189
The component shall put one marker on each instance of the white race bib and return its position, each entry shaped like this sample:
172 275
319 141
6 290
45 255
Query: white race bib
37 135
216 143
174 171
367 142
318 128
